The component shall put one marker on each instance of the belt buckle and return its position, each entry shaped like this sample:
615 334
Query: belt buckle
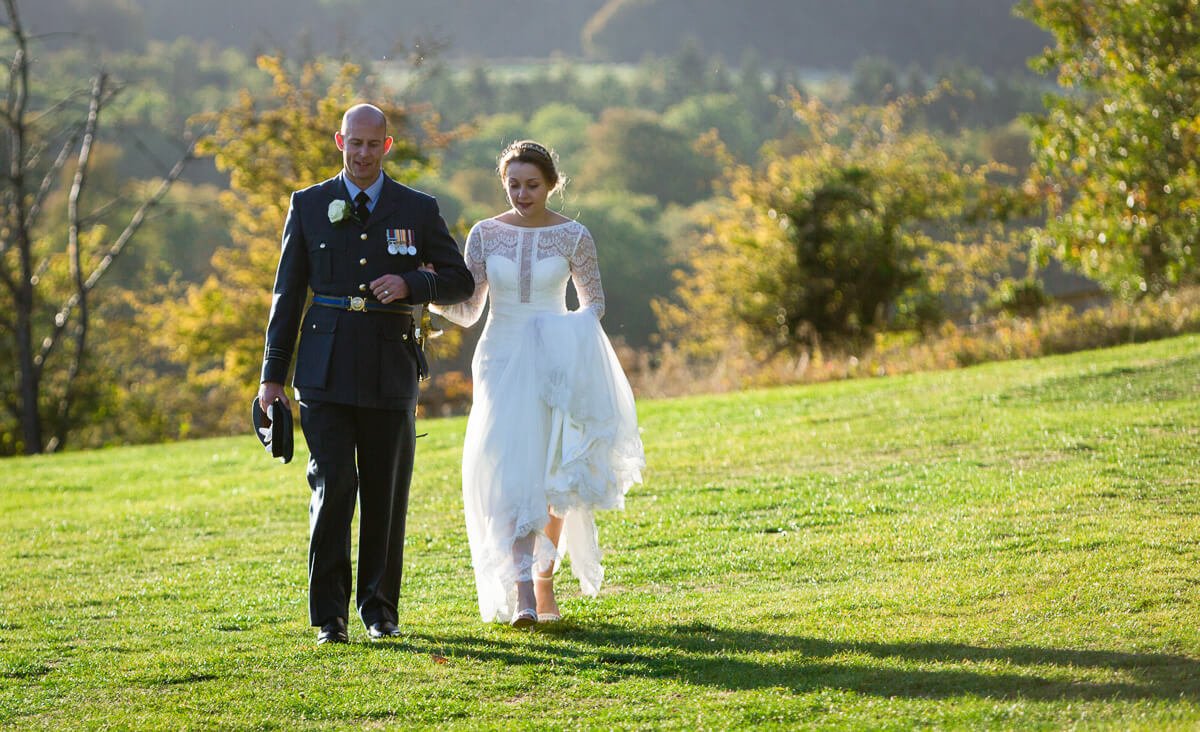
358 304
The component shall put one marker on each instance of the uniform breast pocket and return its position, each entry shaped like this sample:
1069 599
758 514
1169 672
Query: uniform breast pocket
315 351
397 368
321 257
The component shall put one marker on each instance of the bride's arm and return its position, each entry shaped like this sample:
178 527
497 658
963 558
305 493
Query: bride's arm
585 273
468 311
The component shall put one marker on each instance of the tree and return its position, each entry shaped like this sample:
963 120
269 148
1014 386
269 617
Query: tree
874 80
852 226
47 281
1117 156
725 113
633 259
269 147
562 127
631 149
490 136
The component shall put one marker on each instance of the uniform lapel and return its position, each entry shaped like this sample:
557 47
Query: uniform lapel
334 189
389 201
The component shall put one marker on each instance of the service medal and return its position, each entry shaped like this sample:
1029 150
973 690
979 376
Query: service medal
407 237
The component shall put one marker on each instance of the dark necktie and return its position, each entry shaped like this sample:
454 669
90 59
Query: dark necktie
360 206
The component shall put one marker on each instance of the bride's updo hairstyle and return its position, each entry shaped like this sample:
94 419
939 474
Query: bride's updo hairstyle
528 151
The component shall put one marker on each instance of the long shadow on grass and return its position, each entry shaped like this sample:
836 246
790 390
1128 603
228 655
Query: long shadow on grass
739 659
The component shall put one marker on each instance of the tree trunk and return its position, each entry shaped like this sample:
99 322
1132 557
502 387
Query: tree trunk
31 418
22 287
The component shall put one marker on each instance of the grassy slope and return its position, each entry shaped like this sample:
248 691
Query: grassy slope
1013 545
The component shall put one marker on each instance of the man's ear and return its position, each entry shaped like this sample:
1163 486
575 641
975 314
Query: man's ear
341 141
387 144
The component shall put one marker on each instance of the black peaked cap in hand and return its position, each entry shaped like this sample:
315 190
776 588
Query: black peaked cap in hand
273 429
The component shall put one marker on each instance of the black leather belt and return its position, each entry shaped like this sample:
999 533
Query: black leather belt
362 304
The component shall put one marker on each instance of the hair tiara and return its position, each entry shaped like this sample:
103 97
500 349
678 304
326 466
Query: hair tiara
533 146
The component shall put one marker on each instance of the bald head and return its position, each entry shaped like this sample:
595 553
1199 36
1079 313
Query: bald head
363 140
364 114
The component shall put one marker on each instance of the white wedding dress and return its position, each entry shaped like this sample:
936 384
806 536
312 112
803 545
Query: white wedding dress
553 423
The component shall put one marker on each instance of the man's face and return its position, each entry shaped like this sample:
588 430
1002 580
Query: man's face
363 141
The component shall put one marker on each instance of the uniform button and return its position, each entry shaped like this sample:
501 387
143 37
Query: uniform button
362 288
322 245
363 236
404 337
363 261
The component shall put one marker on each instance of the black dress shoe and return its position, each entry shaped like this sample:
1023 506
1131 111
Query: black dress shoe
333 631
383 629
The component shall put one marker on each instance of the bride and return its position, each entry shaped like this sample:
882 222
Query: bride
552 435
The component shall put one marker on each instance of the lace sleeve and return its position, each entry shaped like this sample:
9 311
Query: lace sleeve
585 273
467 312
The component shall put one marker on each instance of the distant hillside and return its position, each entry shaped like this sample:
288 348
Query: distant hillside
811 33
357 28
820 33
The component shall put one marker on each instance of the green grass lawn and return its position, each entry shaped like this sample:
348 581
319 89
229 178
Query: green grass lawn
1010 546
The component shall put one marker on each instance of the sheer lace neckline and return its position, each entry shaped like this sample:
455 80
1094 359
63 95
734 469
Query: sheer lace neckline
518 227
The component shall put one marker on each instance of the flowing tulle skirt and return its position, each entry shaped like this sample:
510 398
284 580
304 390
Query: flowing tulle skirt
553 427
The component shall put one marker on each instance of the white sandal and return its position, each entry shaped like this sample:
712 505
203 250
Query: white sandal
525 618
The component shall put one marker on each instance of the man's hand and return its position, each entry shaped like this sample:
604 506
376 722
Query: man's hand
389 288
268 392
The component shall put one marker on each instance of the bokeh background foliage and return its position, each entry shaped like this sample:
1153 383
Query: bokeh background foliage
892 186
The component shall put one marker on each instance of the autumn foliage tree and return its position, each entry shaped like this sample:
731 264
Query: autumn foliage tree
1118 153
854 225
270 147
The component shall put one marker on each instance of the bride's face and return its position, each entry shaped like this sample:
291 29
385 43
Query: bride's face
526 188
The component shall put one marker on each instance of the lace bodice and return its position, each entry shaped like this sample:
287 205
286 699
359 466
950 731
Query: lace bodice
525 269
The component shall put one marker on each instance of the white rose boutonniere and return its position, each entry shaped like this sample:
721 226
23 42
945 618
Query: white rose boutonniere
339 211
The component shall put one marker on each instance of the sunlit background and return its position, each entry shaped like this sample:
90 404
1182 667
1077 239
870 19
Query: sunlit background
780 191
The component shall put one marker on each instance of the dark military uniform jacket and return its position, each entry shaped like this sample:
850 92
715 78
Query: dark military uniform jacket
357 357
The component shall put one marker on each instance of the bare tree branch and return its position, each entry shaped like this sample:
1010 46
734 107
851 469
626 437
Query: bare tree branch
18 74
139 216
67 396
98 213
37 148
114 250
15 100
62 103
60 161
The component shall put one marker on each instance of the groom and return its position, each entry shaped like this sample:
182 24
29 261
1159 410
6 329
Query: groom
357 241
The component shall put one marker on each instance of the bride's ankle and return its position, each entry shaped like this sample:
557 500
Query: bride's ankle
524 592
547 603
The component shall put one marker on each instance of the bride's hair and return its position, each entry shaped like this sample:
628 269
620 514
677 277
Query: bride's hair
528 151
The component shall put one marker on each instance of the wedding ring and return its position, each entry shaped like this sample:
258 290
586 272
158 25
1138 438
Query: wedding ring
386 293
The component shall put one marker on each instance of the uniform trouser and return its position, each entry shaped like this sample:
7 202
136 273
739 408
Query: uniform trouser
368 454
